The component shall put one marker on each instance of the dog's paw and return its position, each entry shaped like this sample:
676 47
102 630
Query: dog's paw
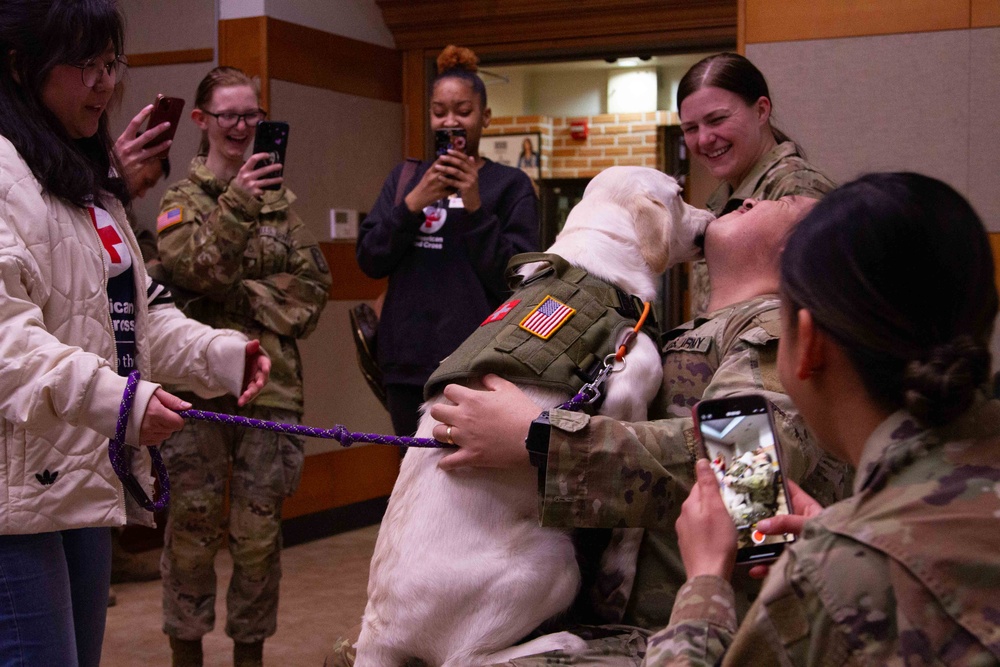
565 642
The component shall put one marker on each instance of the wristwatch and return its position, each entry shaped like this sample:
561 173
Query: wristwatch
537 442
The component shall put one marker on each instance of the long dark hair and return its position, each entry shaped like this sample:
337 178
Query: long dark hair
732 72
35 36
897 268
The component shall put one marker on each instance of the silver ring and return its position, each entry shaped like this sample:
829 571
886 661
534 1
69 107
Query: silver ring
447 436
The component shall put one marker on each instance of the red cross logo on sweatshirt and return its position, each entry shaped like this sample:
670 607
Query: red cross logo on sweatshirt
109 237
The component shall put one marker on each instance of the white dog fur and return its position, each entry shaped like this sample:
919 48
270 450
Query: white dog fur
462 569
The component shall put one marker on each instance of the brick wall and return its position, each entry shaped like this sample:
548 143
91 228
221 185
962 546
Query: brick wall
614 139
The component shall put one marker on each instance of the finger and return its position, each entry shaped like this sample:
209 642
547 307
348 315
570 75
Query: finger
440 432
457 460
781 524
706 478
133 126
759 571
457 393
495 382
447 414
171 402
251 163
253 347
264 182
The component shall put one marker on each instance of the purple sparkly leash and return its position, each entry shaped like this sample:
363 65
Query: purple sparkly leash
120 455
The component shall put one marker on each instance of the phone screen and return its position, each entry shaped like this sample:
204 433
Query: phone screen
272 138
450 138
741 445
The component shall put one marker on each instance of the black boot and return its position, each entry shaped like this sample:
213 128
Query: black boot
186 652
249 654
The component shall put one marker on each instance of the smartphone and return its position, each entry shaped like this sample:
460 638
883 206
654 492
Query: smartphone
165 109
739 440
449 138
272 138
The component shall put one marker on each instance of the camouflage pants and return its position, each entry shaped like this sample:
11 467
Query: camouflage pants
261 469
607 646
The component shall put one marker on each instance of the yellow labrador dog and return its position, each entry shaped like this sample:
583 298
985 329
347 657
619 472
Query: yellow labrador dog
462 570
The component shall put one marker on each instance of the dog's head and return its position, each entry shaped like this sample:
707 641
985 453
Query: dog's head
664 227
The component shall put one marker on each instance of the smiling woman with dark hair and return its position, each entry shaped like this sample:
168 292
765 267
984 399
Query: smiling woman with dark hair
79 314
888 301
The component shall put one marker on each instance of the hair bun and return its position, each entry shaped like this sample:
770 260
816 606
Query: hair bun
457 57
942 386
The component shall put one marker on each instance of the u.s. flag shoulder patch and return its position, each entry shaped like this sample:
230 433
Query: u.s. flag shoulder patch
169 218
547 317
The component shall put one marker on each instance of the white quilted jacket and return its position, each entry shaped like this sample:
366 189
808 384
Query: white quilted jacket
59 390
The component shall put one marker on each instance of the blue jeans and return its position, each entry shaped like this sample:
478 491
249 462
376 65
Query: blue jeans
54 597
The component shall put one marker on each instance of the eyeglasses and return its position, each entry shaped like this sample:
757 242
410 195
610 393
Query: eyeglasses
228 119
92 70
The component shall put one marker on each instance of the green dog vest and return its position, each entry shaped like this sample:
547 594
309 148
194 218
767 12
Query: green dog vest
512 342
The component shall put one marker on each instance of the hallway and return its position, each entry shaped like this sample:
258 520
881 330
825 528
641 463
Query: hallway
323 592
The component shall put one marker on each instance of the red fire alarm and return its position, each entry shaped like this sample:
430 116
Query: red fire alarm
578 129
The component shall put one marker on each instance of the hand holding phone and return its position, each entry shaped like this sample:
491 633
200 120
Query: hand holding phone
740 442
272 138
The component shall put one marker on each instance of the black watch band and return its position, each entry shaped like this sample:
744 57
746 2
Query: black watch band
537 442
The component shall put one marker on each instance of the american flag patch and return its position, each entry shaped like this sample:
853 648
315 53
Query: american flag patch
501 312
546 318
169 218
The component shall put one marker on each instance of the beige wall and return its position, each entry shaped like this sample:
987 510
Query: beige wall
888 85
341 147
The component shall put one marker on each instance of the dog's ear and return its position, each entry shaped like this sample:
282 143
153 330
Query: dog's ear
653 224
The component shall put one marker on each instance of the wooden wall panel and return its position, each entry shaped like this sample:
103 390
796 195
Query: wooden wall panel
530 26
416 65
170 57
349 283
338 478
315 58
243 44
985 13
790 20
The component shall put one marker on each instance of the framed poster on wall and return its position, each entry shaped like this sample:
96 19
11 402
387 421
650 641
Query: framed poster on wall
515 150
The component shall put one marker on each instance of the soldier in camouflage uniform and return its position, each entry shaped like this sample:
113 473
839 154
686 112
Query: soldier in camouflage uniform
239 257
758 160
601 473
907 570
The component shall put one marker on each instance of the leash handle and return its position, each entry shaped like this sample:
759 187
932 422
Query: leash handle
121 455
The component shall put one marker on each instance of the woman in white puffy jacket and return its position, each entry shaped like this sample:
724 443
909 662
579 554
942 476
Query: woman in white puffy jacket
78 314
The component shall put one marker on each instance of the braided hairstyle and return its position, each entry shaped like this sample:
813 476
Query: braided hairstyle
460 63
897 268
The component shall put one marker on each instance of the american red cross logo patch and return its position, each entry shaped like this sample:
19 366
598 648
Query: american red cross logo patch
501 312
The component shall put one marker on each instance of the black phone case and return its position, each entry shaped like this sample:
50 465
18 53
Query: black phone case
272 138
732 407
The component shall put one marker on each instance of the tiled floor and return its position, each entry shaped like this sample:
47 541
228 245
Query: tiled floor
323 593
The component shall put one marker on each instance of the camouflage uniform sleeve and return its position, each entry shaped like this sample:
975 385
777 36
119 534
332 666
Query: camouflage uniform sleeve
701 627
787 624
602 473
795 177
203 252
290 303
